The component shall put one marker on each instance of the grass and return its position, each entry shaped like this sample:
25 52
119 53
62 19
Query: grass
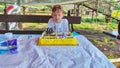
101 26
105 41
111 56
34 25
97 26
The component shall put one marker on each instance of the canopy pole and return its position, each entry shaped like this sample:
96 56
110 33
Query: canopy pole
5 13
19 2
77 10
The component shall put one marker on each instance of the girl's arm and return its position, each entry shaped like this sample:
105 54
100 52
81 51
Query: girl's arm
50 23
65 26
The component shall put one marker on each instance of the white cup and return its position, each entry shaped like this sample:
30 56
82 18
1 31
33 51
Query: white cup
9 35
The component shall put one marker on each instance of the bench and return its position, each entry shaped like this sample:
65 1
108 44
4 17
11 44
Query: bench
34 19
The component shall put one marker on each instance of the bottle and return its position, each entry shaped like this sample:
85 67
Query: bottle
11 43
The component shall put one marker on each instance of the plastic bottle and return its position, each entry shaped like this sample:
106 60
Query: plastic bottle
11 43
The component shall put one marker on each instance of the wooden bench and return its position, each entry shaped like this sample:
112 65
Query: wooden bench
34 19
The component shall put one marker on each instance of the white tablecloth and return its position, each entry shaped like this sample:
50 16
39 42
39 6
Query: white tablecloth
29 55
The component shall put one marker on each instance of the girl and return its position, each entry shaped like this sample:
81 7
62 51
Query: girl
57 22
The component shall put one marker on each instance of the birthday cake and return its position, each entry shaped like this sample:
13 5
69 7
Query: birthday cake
57 39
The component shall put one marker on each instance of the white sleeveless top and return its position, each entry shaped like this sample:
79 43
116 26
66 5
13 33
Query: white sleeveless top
62 26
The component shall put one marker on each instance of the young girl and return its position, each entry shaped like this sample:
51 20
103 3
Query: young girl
57 22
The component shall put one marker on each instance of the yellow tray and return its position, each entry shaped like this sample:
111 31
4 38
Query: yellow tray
55 41
58 42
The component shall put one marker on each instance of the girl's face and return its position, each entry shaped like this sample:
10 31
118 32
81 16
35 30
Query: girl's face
57 15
